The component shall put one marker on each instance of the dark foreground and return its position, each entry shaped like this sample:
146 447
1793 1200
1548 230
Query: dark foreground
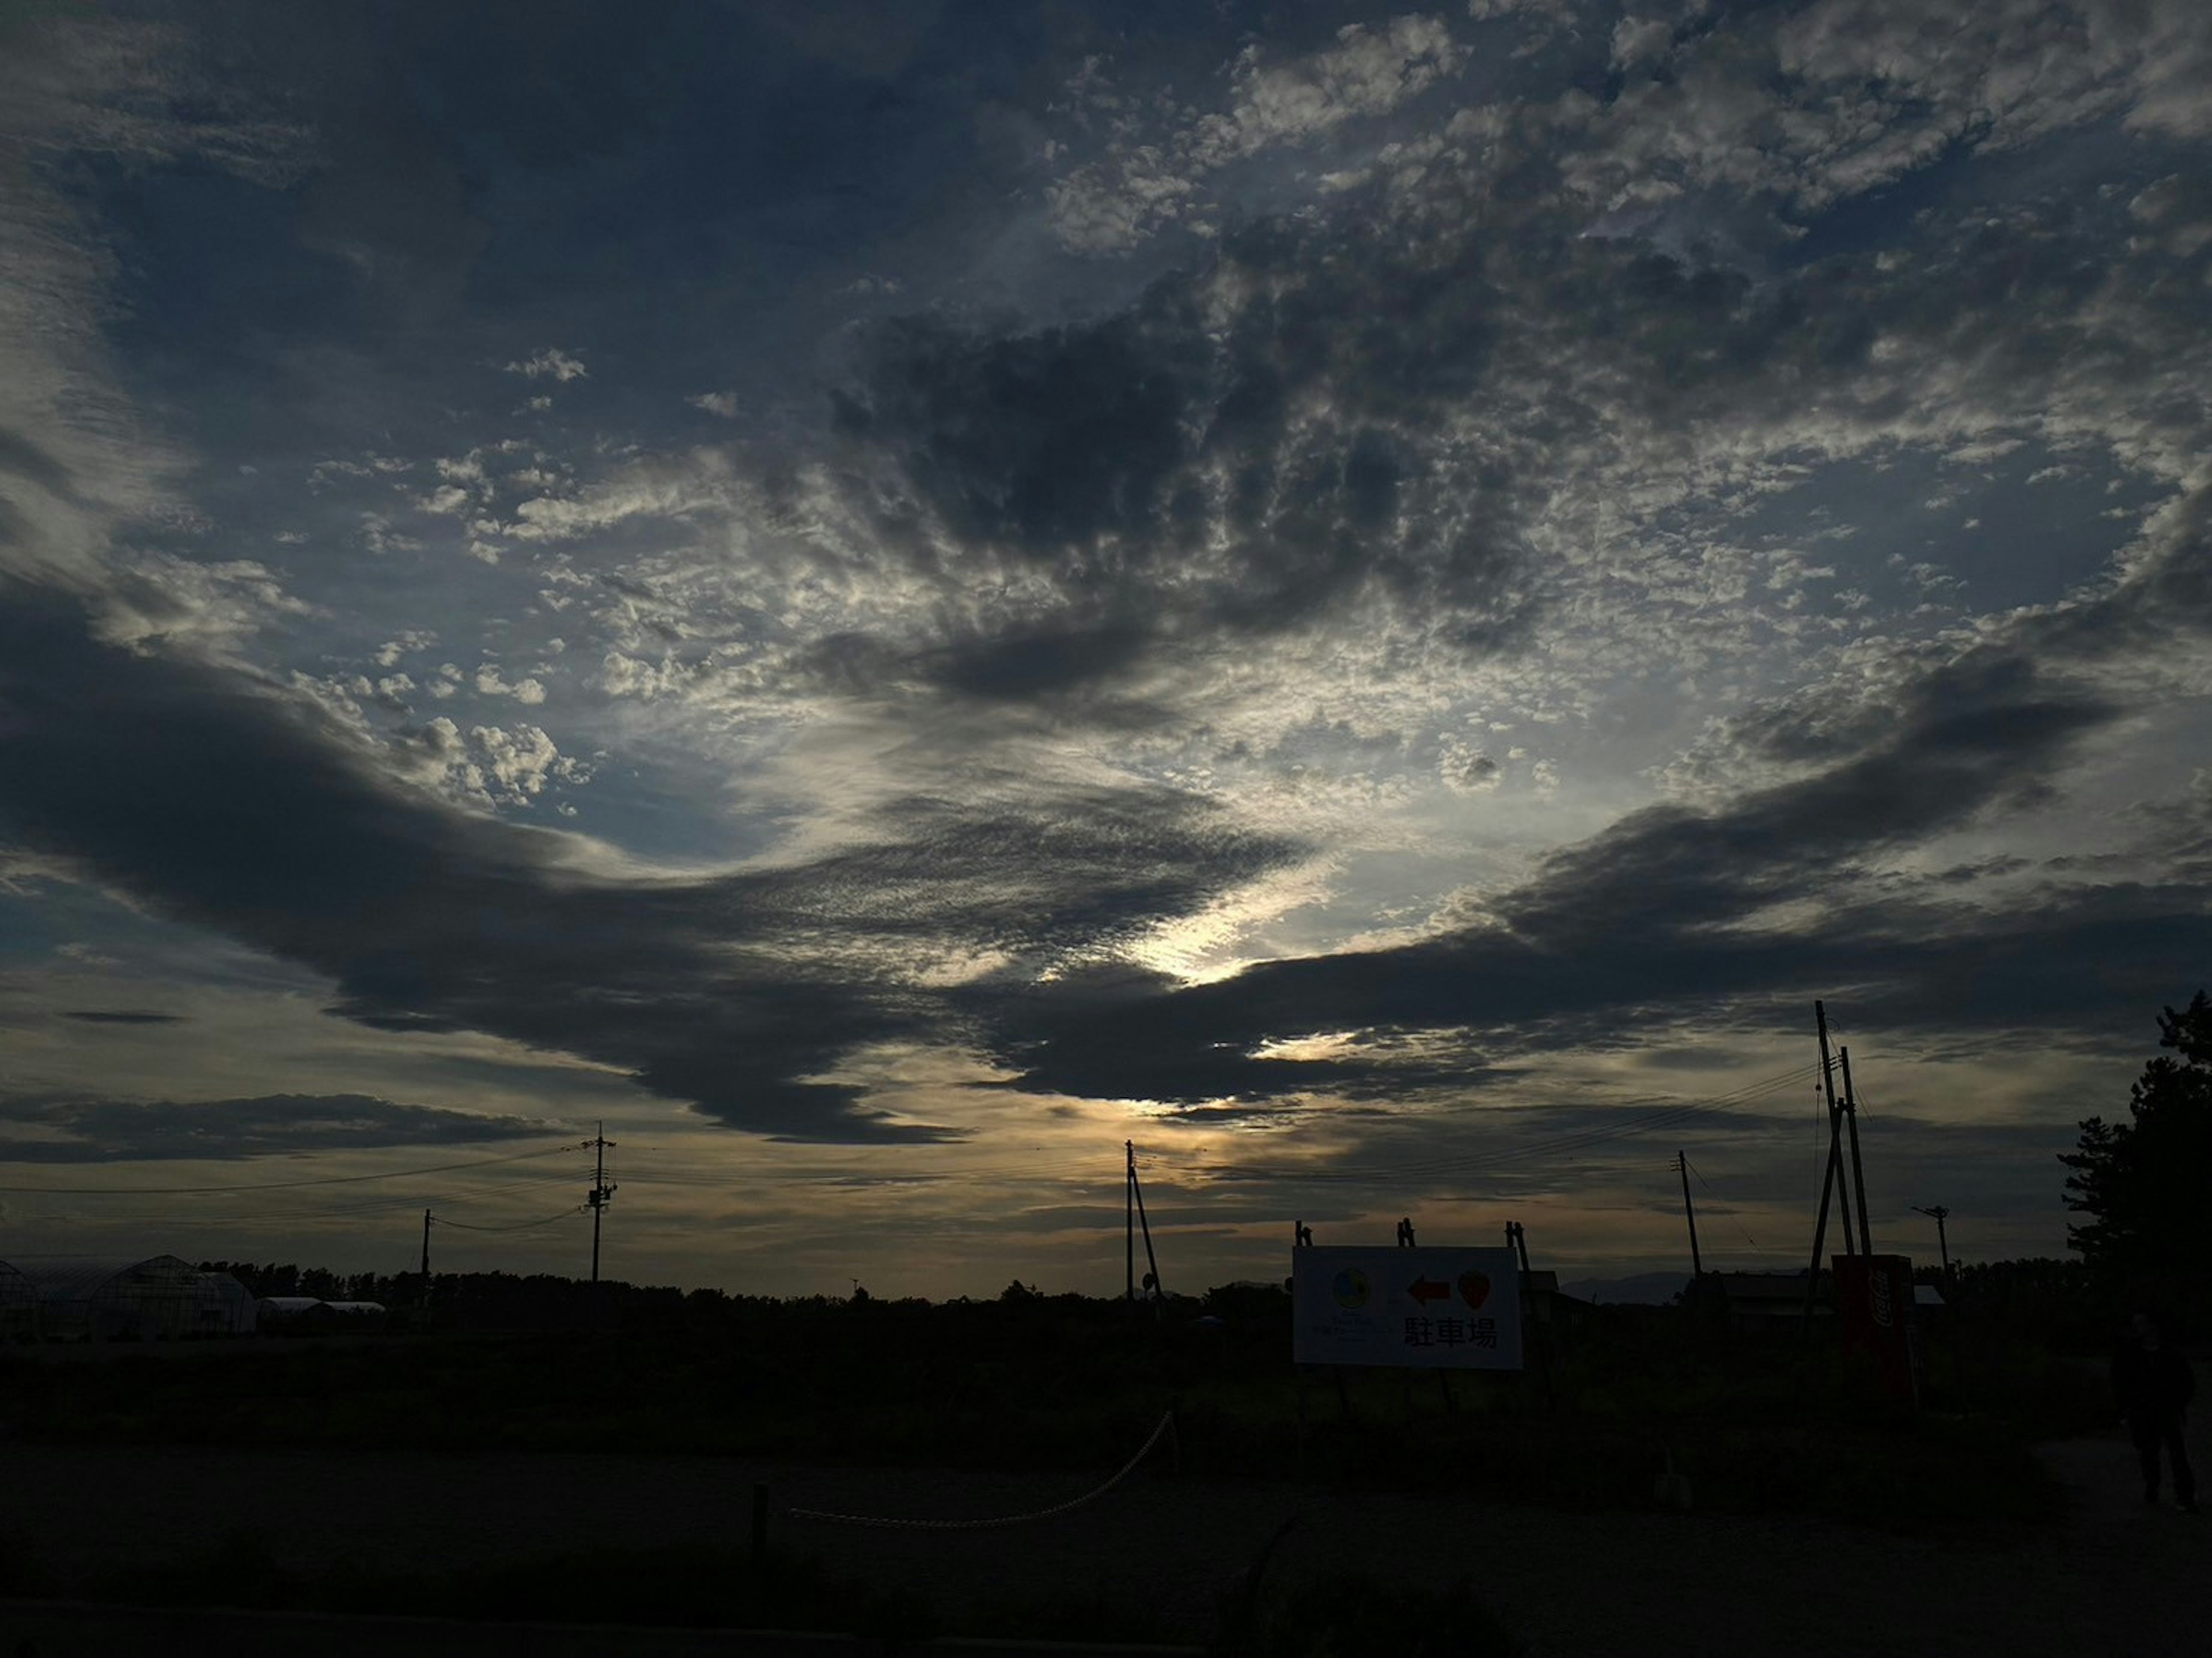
1163 1556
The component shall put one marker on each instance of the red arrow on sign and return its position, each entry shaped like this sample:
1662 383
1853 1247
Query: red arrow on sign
1422 1290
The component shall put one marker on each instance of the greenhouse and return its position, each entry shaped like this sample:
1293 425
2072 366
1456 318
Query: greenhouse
79 1298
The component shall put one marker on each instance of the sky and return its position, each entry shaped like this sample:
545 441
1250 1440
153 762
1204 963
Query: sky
884 598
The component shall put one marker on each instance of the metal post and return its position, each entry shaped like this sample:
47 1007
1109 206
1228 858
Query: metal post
426 1258
1858 1170
1697 1264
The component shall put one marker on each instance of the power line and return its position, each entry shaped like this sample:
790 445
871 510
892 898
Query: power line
277 1186
512 1226
1733 1220
312 1217
266 1218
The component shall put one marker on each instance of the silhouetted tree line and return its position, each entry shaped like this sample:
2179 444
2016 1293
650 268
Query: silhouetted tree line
262 1282
2143 1184
517 1295
499 1300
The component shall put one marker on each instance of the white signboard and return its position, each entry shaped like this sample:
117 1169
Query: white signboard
1434 1308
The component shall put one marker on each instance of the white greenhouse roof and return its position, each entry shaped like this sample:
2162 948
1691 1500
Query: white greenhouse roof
80 1277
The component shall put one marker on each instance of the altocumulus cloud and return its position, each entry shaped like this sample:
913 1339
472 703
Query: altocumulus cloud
1287 563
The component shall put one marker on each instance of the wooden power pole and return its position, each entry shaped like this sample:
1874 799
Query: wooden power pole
1858 1169
426 1258
600 1192
1939 1214
1832 1175
1690 1214
1136 1199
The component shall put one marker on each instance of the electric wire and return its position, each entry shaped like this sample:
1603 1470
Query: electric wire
276 1185
511 1226
1733 1221
468 1193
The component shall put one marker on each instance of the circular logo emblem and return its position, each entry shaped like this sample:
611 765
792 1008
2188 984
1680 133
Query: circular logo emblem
1349 1288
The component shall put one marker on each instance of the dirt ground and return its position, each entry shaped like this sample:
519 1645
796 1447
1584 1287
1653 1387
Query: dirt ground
2118 1578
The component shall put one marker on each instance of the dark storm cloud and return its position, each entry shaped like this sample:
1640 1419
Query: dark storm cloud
1981 733
1022 666
1086 869
269 1125
1255 442
120 1016
224 803
1657 915
1182 482
1034 442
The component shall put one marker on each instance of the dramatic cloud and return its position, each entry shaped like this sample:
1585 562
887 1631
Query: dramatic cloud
733 991
939 583
275 1125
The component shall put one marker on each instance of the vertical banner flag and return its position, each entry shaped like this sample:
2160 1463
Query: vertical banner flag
1431 1308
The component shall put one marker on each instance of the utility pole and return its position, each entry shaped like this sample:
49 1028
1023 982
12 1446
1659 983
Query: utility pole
1831 1175
1534 1311
1136 1196
1858 1171
1835 1133
1939 1214
600 1192
1129 1218
426 1258
1697 1264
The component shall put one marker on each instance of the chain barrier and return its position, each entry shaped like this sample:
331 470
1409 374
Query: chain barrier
1167 1423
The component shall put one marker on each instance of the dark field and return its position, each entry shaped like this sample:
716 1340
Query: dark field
608 1476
